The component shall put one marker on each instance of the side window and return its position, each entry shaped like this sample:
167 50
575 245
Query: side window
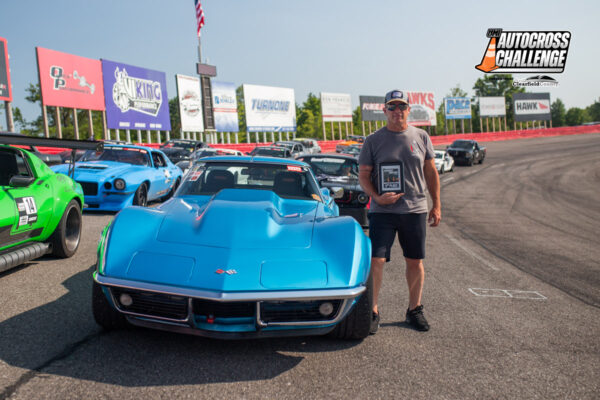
158 159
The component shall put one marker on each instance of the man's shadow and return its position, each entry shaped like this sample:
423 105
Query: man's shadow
62 338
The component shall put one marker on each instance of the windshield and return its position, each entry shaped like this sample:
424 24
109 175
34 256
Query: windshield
288 181
119 154
332 166
268 152
462 144
439 155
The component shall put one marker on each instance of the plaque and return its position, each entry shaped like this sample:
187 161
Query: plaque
391 177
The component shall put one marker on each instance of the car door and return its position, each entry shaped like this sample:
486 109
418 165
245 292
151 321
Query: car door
26 208
161 176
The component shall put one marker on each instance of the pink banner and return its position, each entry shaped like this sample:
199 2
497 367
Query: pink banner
70 81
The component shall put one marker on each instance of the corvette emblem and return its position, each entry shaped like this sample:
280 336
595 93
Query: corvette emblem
228 272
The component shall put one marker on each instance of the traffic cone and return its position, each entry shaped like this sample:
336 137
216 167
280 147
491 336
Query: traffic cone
488 62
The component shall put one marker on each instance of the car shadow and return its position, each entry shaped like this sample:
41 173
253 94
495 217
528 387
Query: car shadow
62 338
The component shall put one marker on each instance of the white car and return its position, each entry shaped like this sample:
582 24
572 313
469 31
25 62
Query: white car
310 145
443 161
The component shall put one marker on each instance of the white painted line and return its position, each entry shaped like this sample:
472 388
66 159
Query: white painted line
508 293
447 179
475 256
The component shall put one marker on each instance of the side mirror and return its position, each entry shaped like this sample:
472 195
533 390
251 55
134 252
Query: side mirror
325 193
21 181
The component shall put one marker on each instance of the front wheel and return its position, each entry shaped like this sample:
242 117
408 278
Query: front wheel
141 196
357 324
66 237
104 314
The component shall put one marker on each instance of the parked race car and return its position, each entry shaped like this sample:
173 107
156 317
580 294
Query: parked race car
352 139
248 247
310 145
124 175
443 161
341 171
271 151
466 152
181 149
40 211
296 148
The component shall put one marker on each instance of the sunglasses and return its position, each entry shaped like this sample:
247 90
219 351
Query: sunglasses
392 107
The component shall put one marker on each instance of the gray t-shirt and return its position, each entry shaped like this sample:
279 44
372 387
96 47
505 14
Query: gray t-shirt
412 146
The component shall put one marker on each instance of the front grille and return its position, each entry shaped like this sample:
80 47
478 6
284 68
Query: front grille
217 309
296 311
89 188
153 304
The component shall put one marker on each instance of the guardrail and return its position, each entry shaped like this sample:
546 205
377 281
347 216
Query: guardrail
329 145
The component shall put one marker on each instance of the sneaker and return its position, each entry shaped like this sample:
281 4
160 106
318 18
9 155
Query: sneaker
416 319
374 323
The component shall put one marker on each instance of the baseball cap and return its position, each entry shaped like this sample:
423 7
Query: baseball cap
396 95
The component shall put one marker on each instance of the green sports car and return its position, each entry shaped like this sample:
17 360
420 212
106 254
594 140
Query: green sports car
40 210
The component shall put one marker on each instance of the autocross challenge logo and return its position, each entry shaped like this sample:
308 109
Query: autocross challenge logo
525 51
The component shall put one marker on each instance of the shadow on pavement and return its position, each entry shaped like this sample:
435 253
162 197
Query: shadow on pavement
62 338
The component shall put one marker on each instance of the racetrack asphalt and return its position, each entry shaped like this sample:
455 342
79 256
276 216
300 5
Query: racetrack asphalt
512 294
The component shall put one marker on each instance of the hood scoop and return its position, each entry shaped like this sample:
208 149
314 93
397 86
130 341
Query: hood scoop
241 219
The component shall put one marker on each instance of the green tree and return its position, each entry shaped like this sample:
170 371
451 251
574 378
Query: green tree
576 116
497 85
593 111
558 112
241 111
174 117
309 119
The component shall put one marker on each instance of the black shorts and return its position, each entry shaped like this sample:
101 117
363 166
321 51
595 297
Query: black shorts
411 229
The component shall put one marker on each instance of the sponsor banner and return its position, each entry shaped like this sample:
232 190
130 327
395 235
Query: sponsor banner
225 107
371 108
70 81
525 51
136 98
5 89
457 107
190 103
422 109
492 106
269 108
532 106
336 107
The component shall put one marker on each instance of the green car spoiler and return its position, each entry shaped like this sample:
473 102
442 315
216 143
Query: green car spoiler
22 140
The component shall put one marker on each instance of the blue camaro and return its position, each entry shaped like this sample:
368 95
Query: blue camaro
248 247
123 175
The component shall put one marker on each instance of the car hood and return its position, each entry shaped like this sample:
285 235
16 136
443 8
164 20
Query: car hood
237 240
95 170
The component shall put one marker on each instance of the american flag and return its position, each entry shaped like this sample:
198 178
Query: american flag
199 15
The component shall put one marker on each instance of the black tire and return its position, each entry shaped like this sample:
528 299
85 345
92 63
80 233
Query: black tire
470 162
67 235
140 198
357 323
481 161
442 170
104 314
173 190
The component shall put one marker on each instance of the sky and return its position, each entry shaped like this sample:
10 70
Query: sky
339 46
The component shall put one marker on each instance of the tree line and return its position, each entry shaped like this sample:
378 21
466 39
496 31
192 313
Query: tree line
309 120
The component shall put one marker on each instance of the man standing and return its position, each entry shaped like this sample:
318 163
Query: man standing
402 214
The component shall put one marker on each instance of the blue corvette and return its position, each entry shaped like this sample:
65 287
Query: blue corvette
248 247
123 175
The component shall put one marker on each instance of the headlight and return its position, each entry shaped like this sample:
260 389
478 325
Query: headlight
363 198
119 184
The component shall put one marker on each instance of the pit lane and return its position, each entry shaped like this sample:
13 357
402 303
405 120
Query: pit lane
525 221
